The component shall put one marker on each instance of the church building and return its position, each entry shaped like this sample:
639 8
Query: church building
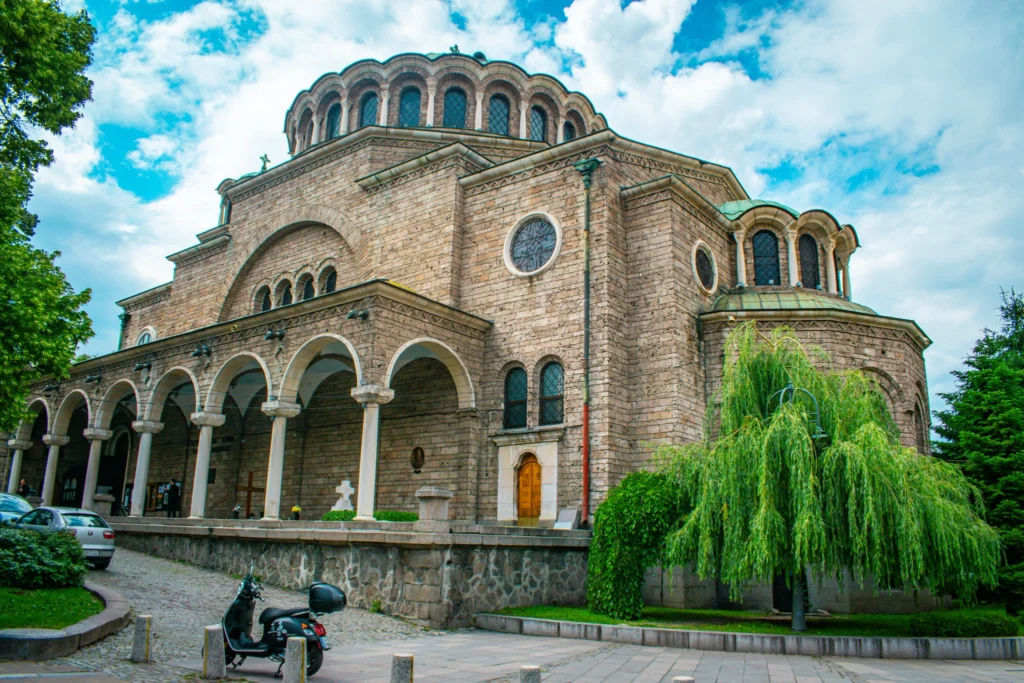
457 257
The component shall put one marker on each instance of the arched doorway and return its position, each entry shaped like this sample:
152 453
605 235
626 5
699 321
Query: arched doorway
528 490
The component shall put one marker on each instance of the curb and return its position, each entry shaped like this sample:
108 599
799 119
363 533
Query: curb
42 643
719 641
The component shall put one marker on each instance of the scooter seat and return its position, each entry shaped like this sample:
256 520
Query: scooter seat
271 613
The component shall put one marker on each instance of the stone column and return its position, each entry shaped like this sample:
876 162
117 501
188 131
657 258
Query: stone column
315 137
741 259
479 111
559 132
431 90
147 429
206 423
96 438
830 266
372 396
54 441
343 128
280 411
794 277
18 448
846 280
384 98
523 108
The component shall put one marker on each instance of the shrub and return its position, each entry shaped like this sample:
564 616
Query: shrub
963 624
36 560
339 516
379 515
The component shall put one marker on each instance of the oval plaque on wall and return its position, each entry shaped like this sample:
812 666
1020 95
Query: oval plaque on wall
417 459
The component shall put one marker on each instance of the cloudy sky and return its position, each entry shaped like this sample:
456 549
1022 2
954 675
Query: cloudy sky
902 117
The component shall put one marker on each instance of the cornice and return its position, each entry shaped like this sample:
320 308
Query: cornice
673 184
141 297
179 256
455 150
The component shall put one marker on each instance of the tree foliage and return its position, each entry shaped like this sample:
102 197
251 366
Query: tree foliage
43 56
983 433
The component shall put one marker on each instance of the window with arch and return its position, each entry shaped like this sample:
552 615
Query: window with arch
328 280
285 298
144 338
515 399
455 108
810 273
409 108
263 301
309 134
538 124
497 117
368 110
920 441
568 132
308 290
334 121
225 210
552 390
766 258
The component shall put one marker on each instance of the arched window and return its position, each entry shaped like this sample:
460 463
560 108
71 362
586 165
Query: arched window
455 108
328 280
568 132
920 441
538 124
766 258
368 110
409 108
552 390
810 274
497 117
308 291
263 301
225 210
144 338
285 297
334 121
515 399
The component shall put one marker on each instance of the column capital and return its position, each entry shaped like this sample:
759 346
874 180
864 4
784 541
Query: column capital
96 434
738 235
345 105
372 393
204 419
280 409
55 440
147 426
19 444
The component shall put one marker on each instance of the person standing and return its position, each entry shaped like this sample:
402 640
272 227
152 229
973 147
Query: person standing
173 499
24 490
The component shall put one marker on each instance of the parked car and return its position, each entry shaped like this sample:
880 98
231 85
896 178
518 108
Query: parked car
12 507
91 530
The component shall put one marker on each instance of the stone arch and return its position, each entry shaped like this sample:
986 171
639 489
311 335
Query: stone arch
117 392
501 85
365 82
771 216
169 381
891 389
36 405
232 367
67 407
455 77
305 357
398 83
576 119
444 353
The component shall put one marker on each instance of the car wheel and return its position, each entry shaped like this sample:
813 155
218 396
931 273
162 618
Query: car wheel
101 564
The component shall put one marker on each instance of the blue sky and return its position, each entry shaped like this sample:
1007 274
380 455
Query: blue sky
902 118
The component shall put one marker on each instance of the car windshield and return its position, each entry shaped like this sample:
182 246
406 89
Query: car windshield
85 520
14 504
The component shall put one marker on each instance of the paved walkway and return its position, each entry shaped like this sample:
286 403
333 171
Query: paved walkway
183 599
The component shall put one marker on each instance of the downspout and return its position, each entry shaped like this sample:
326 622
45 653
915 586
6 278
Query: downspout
586 169
124 317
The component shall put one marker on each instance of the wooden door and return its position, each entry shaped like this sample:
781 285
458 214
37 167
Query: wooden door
529 491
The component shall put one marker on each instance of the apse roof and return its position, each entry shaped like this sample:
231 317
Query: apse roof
789 299
734 210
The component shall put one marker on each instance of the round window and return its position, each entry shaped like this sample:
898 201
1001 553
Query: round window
704 267
533 245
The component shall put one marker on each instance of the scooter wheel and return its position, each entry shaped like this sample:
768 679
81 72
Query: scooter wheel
314 659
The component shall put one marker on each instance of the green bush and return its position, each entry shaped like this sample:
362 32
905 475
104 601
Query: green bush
34 560
629 534
379 515
339 516
963 624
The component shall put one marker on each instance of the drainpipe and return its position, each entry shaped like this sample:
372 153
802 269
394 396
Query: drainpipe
586 169
123 316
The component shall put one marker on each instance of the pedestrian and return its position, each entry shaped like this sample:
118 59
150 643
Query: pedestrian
24 490
173 499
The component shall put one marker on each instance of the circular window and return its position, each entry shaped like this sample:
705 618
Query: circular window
532 245
704 267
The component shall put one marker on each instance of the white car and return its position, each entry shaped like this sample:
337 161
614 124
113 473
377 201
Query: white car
91 530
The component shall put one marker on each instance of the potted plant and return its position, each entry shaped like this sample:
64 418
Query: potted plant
296 511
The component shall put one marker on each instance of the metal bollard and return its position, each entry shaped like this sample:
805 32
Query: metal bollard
529 674
295 661
683 679
401 668
141 652
213 653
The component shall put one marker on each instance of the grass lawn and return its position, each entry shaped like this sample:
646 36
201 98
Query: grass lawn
733 621
46 608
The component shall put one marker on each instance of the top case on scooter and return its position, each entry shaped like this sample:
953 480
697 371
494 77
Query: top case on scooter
325 598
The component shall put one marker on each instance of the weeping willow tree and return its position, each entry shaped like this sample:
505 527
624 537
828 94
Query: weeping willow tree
812 480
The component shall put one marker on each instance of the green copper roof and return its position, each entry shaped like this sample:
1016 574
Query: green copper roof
734 210
788 299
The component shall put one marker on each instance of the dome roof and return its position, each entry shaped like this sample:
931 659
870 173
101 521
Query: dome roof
734 210
749 299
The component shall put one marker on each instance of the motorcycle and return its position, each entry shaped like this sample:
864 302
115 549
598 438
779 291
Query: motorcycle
278 625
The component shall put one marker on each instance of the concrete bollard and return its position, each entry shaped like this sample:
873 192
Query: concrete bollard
141 652
529 674
295 661
214 667
683 679
401 669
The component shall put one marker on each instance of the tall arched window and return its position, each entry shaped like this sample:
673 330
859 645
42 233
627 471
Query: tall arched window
308 291
515 399
920 440
285 298
552 390
538 124
144 338
766 258
334 121
409 108
368 110
455 108
568 132
810 273
264 301
225 210
497 117
328 280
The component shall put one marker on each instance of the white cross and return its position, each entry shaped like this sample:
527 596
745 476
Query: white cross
346 492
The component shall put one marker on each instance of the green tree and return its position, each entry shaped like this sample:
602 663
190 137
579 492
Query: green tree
983 433
43 55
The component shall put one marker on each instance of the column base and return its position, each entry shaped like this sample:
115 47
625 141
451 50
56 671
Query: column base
363 518
270 519
195 517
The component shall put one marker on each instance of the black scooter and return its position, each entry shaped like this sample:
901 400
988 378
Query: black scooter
278 625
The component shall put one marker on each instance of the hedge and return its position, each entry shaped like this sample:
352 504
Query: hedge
379 515
40 560
963 624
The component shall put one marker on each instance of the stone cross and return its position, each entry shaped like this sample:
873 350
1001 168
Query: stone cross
266 162
346 492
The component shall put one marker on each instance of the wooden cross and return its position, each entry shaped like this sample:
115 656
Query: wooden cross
249 490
